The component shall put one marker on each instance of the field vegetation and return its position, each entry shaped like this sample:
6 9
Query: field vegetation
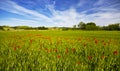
51 50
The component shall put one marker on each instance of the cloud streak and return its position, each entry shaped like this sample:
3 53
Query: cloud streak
12 7
102 15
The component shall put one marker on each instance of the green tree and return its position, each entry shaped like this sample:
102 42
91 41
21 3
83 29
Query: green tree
74 26
81 25
114 26
42 28
1 27
91 23
91 26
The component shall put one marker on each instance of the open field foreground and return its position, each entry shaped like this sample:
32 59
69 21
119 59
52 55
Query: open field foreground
59 50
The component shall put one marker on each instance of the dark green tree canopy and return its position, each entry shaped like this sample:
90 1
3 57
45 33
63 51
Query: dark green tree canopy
91 23
81 25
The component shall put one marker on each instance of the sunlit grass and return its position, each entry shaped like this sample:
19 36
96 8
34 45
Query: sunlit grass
59 50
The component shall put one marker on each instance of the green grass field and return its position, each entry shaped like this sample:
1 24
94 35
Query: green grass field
59 50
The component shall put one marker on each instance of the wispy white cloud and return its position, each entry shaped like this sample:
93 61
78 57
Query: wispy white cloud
81 3
99 2
102 17
69 17
18 22
12 7
66 18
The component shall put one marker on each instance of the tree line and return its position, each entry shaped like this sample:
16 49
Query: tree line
93 26
80 26
22 28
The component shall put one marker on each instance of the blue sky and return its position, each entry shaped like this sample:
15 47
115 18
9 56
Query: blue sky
58 12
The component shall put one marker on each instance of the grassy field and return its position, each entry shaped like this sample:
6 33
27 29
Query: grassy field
59 50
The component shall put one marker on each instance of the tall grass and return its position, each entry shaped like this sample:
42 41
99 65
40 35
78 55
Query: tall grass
60 51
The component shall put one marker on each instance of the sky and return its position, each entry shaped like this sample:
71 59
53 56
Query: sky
58 13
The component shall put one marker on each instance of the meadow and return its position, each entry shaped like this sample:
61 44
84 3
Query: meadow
52 50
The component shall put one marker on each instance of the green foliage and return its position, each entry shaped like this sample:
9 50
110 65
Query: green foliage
88 26
92 26
74 26
91 23
59 51
114 26
1 28
82 25
42 28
